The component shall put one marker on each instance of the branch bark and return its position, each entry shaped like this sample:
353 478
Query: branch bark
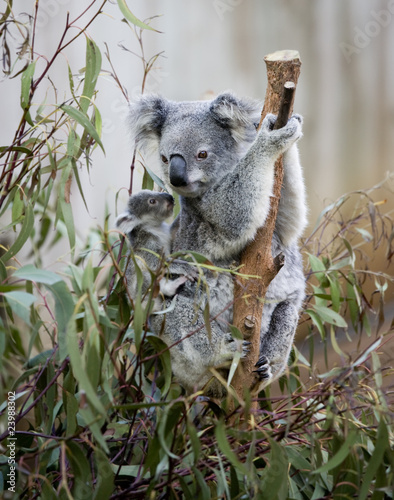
257 260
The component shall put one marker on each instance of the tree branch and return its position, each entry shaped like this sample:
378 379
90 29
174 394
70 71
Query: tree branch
283 69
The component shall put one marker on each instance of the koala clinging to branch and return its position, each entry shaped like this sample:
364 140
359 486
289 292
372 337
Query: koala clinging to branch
148 234
144 225
223 170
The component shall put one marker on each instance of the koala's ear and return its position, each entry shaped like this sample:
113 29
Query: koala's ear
146 119
126 222
241 116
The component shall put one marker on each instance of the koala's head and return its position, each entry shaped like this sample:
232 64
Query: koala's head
146 208
198 142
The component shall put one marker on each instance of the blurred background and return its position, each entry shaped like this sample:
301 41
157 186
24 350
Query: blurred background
345 92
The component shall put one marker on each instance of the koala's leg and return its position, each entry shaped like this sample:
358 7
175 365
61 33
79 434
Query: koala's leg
194 351
292 211
277 342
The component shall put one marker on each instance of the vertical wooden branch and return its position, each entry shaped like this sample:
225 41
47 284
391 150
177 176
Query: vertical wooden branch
282 67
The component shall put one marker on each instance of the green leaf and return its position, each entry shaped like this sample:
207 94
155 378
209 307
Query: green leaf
131 17
168 422
66 216
329 316
367 352
92 70
31 273
367 236
334 342
27 77
73 144
224 445
234 364
165 357
40 359
335 293
297 460
381 445
64 308
79 371
71 80
24 234
340 456
317 322
105 477
194 440
340 264
17 206
20 303
149 174
128 470
204 491
147 181
83 120
19 149
318 268
274 477
83 483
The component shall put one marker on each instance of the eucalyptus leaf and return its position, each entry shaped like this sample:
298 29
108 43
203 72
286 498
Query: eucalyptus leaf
131 17
83 120
20 303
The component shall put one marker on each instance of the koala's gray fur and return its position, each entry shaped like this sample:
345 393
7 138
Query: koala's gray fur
223 170
149 237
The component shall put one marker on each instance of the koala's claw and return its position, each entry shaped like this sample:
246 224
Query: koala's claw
269 121
298 117
263 370
245 348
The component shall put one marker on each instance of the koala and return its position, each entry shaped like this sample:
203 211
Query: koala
149 237
212 155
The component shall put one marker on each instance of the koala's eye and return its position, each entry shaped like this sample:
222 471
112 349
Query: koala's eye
164 159
202 155
152 201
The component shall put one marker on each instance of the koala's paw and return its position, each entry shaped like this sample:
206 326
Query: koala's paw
284 137
263 369
170 287
232 345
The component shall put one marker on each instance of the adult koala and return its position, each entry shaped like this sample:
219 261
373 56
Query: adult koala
223 170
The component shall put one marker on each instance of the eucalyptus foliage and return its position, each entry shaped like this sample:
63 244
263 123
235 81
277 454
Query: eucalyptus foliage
97 413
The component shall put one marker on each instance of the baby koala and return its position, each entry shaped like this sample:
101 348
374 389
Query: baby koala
149 236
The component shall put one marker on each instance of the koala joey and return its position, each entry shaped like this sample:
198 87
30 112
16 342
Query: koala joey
223 169
149 237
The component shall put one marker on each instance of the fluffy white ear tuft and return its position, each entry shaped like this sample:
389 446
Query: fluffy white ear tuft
146 118
239 115
126 222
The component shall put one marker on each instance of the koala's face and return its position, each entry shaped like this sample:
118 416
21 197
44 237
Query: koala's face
195 151
150 206
198 142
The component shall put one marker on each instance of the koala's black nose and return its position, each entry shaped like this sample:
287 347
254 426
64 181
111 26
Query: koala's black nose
178 177
168 198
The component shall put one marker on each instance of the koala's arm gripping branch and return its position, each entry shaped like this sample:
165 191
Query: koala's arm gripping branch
282 67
